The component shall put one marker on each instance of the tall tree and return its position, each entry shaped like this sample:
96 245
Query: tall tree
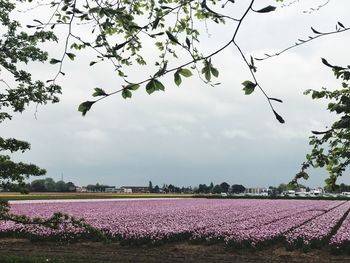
18 90
237 188
225 186
217 189
150 187
156 189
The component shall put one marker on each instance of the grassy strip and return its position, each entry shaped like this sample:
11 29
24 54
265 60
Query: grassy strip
77 197
33 259
331 198
102 196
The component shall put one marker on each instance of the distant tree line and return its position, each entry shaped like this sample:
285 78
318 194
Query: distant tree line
169 188
219 188
49 185
200 189
343 188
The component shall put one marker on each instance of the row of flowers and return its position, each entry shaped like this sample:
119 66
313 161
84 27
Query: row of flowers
341 239
243 222
319 229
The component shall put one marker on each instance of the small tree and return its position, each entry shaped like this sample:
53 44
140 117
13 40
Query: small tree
282 188
150 187
61 186
237 188
225 186
38 185
71 187
217 189
156 189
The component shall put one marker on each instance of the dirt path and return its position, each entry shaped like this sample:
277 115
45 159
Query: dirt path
177 252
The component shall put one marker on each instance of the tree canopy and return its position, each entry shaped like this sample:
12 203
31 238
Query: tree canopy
18 89
331 148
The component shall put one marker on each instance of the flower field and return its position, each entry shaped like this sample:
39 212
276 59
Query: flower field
239 223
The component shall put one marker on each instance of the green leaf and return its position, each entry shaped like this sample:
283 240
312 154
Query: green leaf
99 92
251 65
207 69
188 43
185 72
275 99
278 117
71 56
126 93
214 71
267 9
54 61
324 61
92 63
155 23
172 37
117 47
207 75
165 7
159 85
315 31
157 34
248 87
85 107
132 86
177 78
341 25
151 87
319 133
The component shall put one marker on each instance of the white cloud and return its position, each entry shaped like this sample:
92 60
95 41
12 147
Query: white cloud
236 134
94 135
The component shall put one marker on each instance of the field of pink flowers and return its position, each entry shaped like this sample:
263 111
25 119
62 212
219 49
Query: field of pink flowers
236 222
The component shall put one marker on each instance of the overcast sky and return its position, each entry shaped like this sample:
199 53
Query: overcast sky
195 133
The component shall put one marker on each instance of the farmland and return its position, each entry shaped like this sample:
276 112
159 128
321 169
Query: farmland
245 223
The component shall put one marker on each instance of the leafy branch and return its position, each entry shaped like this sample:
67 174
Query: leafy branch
339 28
153 84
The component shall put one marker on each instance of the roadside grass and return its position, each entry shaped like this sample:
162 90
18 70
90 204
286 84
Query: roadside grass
33 259
63 196
76 196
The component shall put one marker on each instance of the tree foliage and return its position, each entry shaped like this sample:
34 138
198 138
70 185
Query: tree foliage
331 148
19 89
225 186
49 185
217 189
237 188
122 30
